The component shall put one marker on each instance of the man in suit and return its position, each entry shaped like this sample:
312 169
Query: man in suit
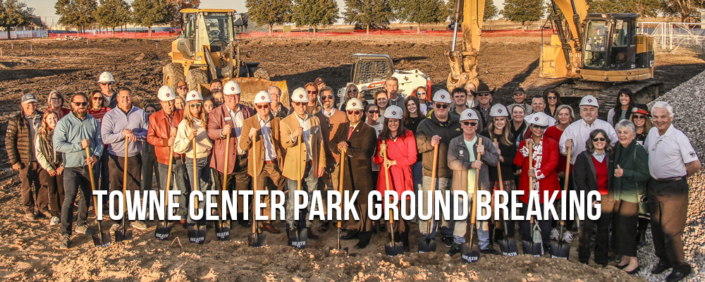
263 130
359 141
302 139
223 121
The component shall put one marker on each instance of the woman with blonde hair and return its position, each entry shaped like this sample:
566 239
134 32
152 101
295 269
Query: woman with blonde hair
52 168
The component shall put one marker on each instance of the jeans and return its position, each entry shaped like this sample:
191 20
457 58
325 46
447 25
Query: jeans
203 174
75 178
483 228
309 184
446 225
179 181
527 229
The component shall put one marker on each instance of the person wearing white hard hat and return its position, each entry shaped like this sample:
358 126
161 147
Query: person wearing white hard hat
303 141
470 156
437 130
538 105
313 106
106 83
396 151
162 134
192 127
577 133
262 134
226 120
544 160
499 133
358 140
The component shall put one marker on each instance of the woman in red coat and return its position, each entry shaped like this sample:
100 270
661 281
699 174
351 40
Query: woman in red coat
543 171
400 147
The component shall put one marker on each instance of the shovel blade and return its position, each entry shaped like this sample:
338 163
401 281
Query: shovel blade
101 239
469 253
427 245
222 230
163 230
508 247
560 250
300 239
196 233
257 240
121 235
393 249
532 248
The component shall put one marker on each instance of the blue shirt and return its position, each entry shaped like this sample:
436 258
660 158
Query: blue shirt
68 134
115 121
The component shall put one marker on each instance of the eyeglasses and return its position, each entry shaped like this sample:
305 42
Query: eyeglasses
195 105
470 123
421 93
354 112
539 127
97 98
552 97
80 104
263 107
638 117
327 97
299 104
441 106
600 139
372 112
352 90
483 94
312 92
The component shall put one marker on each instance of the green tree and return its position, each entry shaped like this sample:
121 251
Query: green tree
645 8
177 5
112 13
147 13
685 9
491 10
314 13
77 13
368 13
269 12
523 11
14 13
420 11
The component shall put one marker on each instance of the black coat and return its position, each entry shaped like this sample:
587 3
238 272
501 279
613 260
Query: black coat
584 173
358 159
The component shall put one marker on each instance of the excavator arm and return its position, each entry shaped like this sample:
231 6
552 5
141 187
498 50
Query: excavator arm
563 57
464 60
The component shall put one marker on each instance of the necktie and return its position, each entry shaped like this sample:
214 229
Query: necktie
350 132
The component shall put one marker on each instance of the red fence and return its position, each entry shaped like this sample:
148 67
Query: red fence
488 33
116 35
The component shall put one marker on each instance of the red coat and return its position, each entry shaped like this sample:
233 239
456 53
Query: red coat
159 132
403 150
216 121
547 178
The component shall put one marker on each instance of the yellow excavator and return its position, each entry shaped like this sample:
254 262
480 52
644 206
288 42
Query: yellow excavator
209 48
592 54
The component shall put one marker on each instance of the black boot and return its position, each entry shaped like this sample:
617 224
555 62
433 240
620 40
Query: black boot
405 241
364 240
352 234
641 237
498 235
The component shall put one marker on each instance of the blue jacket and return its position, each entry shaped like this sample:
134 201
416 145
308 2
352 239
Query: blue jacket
68 134
115 121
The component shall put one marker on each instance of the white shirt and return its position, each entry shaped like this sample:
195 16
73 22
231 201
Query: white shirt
329 114
551 120
306 134
237 119
579 132
266 129
668 153
423 108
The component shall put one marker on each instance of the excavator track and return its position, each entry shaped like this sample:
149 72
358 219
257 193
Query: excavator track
606 92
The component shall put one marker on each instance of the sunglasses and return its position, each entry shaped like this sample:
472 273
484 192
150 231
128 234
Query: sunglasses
327 97
80 104
539 127
104 84
97 98
195 105
373 112
470 123
299 104
600 139
354 112
483 94
352 90
421 93
312 92
441 106
552 97
639 117
263 107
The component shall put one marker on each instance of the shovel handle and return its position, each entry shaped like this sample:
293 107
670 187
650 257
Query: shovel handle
499 172
168 176
386 178
90 173
195 172
298 164
254 182
531 165
225 167
433 185
124 173
567 177
473 217
341 181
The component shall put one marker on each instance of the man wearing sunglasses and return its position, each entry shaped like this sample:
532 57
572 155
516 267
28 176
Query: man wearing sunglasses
263 135
125 121
106 82
360 141
313 106
224 120
73 134
578 132
437 130
484 99
538 104
297 130
182 89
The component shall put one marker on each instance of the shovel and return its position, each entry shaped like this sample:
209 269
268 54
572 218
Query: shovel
196 231
561 250
508 246
102 239
164 227
535 246
299 236
428 244
340 190
470 251
222 229
124 234
255 239
393 248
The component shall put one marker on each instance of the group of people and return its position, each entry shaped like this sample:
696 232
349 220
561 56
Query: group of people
637 160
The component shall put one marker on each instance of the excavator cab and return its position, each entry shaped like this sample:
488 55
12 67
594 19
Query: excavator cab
610 42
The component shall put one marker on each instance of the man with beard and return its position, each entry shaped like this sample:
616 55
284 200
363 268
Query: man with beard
73 134
216 86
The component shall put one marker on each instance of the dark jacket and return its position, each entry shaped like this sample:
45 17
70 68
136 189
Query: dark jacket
584 173
635 163
447 131
282 112
507 166
113 101
358 167
17 138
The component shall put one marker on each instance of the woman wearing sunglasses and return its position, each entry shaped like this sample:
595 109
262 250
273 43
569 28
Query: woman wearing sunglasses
425 104
593 172
190 128
553 100
622 108
56 104
641 117
350 92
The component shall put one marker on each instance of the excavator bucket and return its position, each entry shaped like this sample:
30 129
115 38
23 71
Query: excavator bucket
249 86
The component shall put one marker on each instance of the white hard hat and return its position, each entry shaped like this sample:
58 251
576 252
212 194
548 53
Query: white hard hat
539 119
262 97
166 94
589 100
499 110
106 77
300 95
468 114
231 88
193 96
353 104
394 112
442 96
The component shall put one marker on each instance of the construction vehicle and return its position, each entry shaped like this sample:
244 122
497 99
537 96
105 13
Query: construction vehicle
209 48
370 72
591 54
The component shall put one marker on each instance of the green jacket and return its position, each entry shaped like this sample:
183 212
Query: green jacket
635 163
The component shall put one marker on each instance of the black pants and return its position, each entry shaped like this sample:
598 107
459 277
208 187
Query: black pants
55 187
75 179
102 175
625 220
527 228
32 192
668 203
149 167
602 238
134 171
236 181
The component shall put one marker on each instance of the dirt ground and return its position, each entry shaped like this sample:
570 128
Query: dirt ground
29 251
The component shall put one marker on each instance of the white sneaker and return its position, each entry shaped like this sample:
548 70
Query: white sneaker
568 237
555 234
54 221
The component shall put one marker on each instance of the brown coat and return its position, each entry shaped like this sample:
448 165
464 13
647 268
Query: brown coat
216 121
358 165
291 159
246 144
17 138
329 126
